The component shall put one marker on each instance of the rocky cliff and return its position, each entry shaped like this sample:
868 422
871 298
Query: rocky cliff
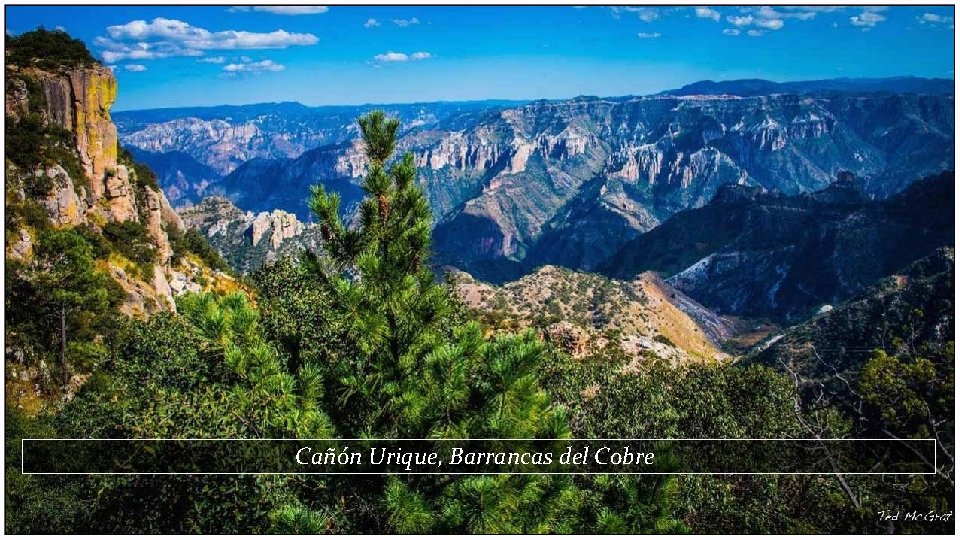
86 180
247 240
222 138
569 182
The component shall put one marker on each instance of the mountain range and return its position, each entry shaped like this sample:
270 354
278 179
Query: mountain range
226 136
759 87
570 182
754 253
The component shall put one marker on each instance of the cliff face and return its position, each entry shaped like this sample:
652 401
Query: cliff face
80 102
570 182
223 138
106 188
247 240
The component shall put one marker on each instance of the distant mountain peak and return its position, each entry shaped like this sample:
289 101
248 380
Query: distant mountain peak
761 87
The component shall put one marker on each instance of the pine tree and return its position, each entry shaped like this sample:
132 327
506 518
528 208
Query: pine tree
60 301
410 367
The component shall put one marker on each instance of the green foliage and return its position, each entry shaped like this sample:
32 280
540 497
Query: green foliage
22 212
631 504
663 339
407 366
100 246
204 373
38 504
296 315
213 353
58 303
695 401
191 241
143 175
32 144
50 50
910 397
131 239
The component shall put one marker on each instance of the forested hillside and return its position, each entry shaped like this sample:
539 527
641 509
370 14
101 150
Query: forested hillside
121 323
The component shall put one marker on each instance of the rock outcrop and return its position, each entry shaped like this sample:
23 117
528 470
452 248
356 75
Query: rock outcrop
104 188
79 101
279 224
247 240
67 203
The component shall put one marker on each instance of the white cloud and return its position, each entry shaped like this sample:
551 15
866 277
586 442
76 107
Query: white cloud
800 15
262 66
768 18
163 38
731 32
391 56
159 27
403 23
283 10
212 60
115 51
707 13
135 67
648 35
789 12
868 19
648 15
770 24
754 32
371 23
932 19
643 13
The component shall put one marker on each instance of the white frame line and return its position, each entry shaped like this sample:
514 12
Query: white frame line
22 441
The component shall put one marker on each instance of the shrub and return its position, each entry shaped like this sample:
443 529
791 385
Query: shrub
100 245
194 242
130 239
47 49
145 177
663 339
30 144
23 212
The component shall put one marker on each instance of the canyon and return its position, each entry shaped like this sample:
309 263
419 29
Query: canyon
568 182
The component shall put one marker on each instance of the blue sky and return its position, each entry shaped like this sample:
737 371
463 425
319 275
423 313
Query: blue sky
168 56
